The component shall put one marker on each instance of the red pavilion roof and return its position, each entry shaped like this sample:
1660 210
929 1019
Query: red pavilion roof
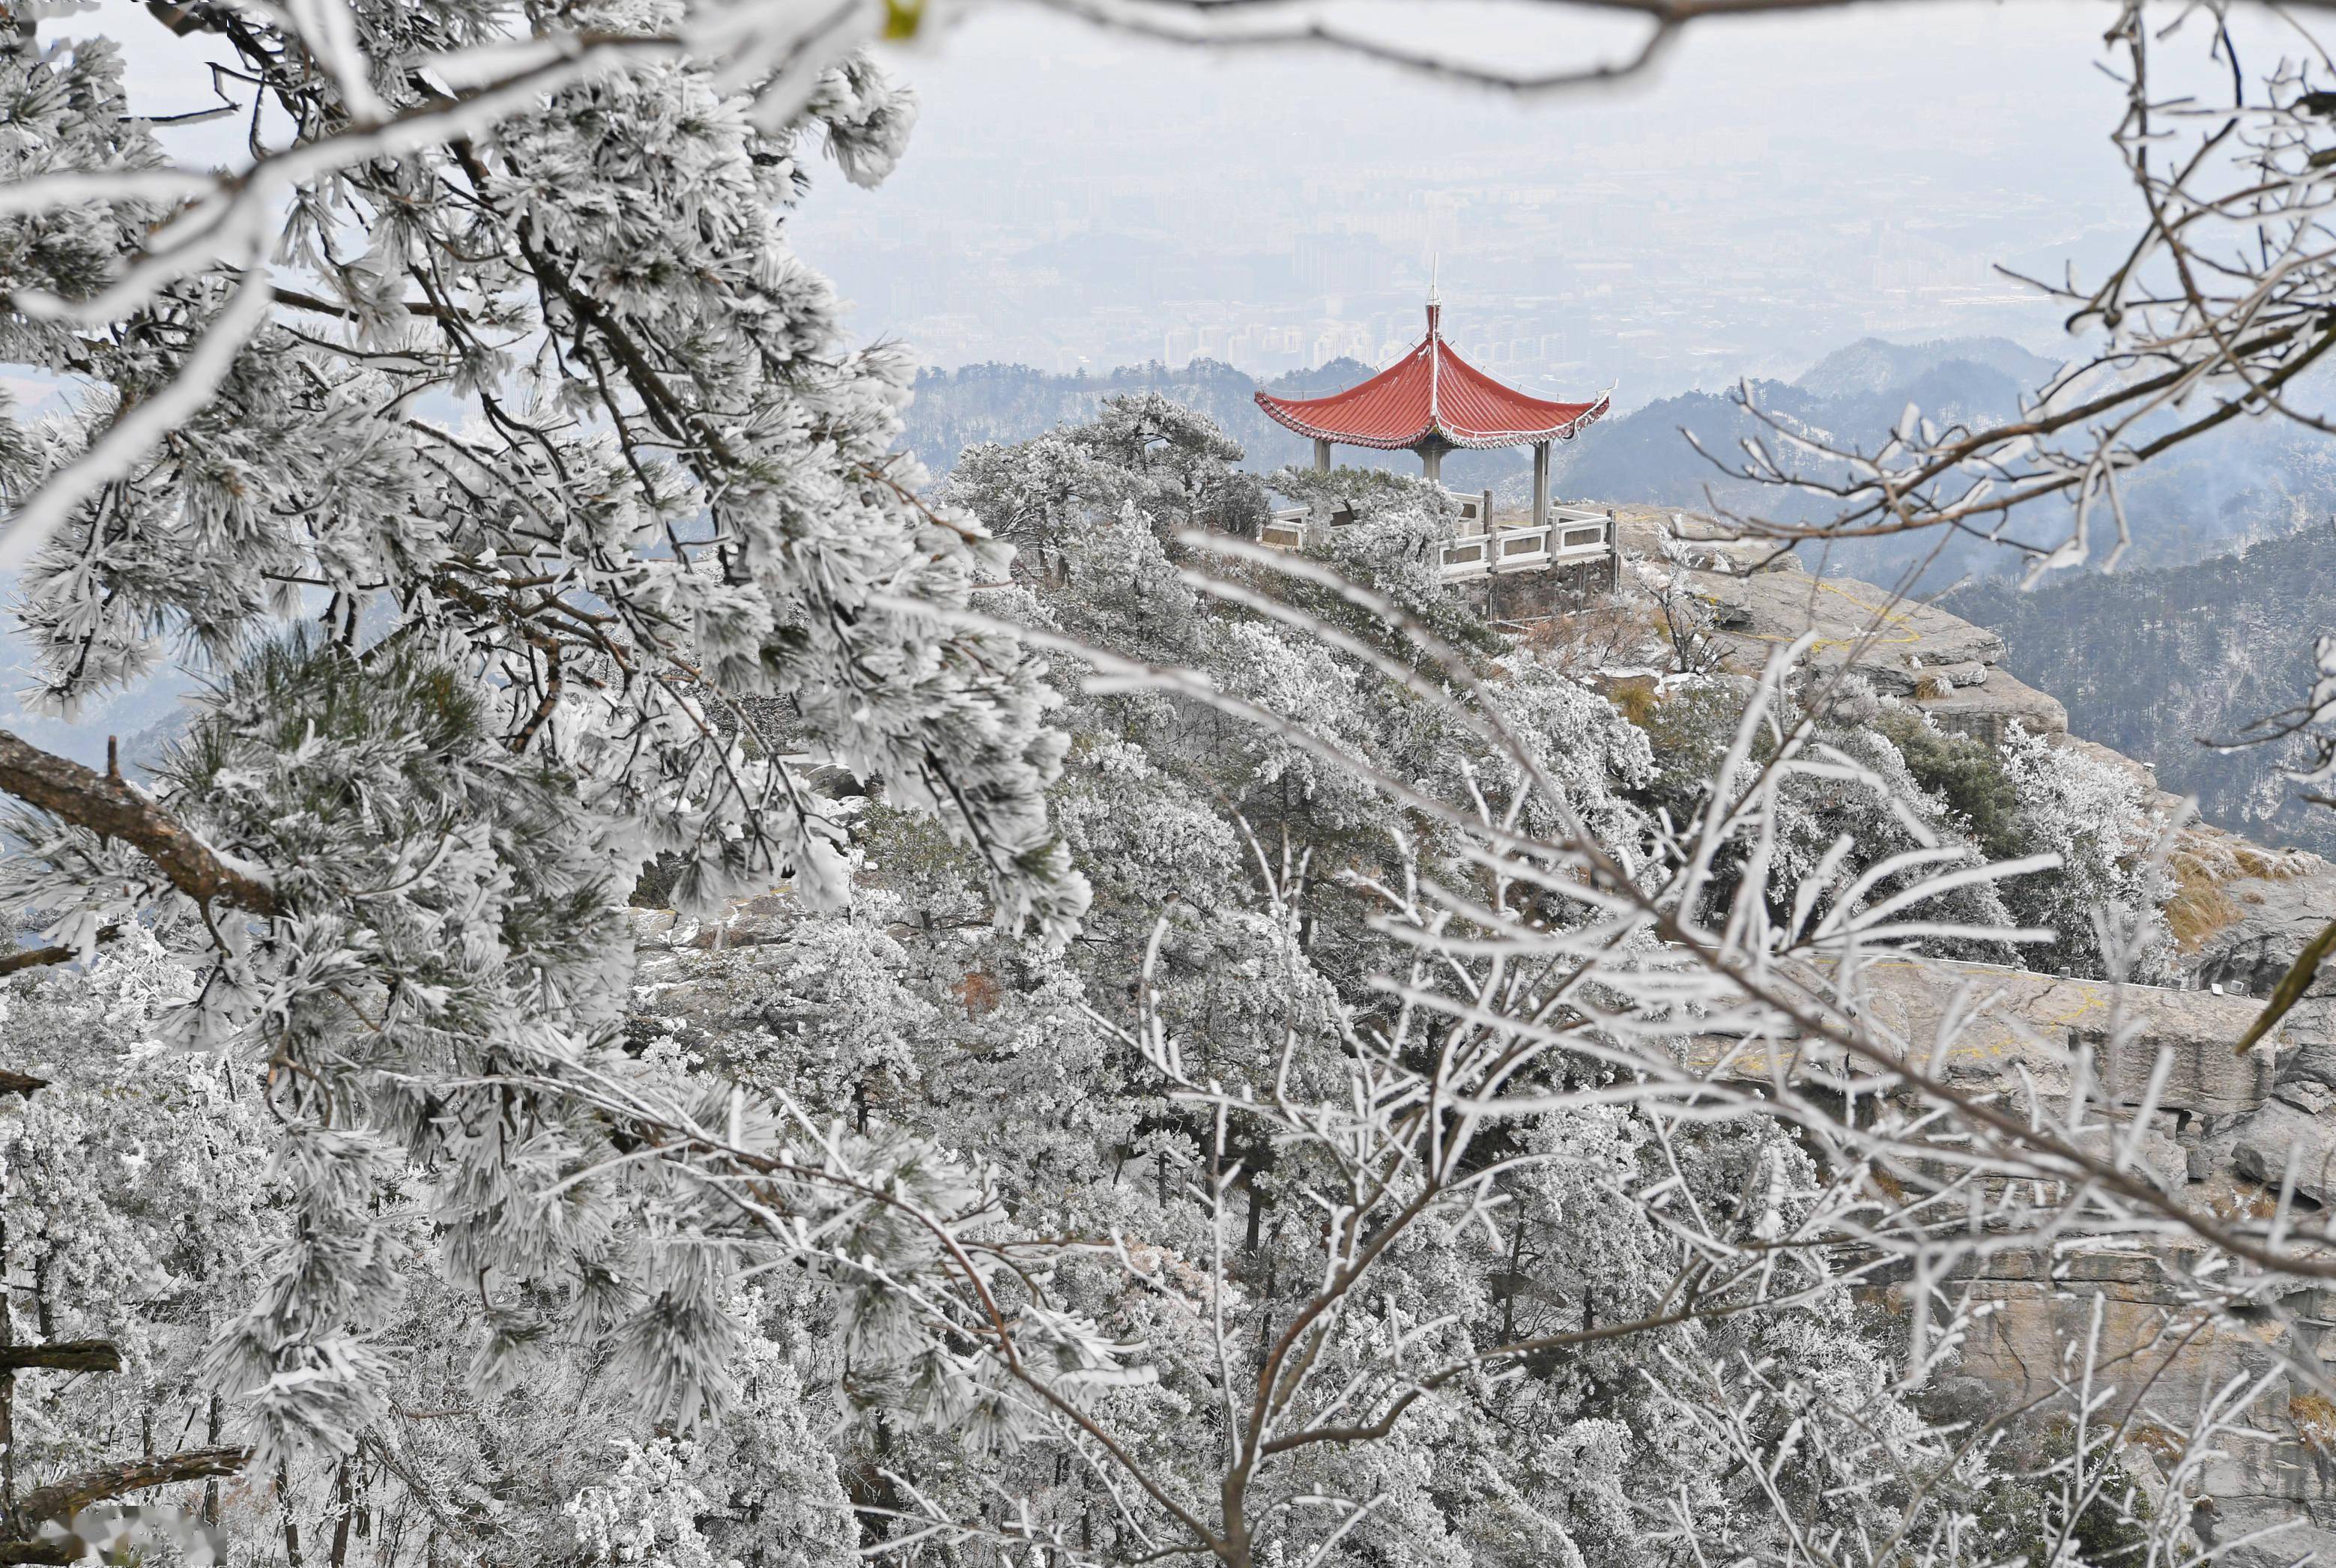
1432 392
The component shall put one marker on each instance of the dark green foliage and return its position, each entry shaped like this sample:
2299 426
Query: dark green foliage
300 692
2025 1515
1690 731
1968 775
653 890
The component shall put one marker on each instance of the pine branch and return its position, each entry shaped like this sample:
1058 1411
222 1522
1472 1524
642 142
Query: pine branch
66 1498
310 302
110 807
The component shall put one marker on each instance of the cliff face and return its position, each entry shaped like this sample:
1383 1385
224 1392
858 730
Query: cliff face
2227 1127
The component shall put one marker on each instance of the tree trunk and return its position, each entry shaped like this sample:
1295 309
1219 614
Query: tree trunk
210 1488
291 1526
66 1498
7 1393
64 1355
342 1510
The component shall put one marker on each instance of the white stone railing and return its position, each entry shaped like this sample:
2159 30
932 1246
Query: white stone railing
1571 534
1481 547
1580 534
1467 558
1285 529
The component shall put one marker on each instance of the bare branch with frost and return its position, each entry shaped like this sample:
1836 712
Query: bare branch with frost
667 555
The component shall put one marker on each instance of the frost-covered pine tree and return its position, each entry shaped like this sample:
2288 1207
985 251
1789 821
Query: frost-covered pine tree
482 446
1351 1191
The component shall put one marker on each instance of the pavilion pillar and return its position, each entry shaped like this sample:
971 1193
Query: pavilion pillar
1541 483
1431 462
1322 455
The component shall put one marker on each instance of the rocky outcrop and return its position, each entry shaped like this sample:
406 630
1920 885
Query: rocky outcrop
1759 600
2246 912
2164 1364
2227 1130
2224 1132
2018 1033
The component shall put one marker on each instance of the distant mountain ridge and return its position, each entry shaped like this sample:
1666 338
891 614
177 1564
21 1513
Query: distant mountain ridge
956 409
1871 365
2254 479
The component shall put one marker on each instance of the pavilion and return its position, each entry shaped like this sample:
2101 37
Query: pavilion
1431 401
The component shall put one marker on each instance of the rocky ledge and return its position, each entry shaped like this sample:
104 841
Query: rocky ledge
2227 1130
1759 600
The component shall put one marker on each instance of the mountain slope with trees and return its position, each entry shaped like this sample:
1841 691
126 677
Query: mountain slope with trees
1189 1079
2159 661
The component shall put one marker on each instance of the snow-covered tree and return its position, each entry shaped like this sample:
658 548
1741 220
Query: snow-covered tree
2105 899
1273 1080
508 479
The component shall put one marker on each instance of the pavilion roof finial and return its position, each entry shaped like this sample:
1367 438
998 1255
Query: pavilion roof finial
1435 294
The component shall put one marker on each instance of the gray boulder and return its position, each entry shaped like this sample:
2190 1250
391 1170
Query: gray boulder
2292 1127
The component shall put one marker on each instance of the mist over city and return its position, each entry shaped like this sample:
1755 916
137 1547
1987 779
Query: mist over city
1779 188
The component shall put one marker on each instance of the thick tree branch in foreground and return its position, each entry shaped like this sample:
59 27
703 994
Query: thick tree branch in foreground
69 1497
14 1083
111 807
64 1355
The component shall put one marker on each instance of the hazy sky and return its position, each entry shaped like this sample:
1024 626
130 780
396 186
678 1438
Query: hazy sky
1780 185
1775 187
